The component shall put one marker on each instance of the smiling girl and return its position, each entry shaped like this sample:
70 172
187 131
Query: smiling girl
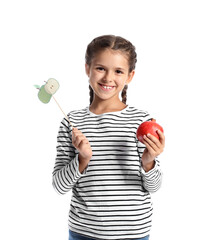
111 174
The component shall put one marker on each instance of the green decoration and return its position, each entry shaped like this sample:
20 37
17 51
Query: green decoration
37 86
47 91
43 95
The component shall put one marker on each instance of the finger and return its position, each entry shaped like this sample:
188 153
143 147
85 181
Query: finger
154 140
154 153
75 133
149 148
83 143
151 141
161 137
79 139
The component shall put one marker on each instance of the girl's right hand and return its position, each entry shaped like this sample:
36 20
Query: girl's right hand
81 143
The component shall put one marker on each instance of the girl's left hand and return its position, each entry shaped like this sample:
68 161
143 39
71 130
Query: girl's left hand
154 147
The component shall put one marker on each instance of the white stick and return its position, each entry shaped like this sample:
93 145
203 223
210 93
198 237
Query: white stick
62 111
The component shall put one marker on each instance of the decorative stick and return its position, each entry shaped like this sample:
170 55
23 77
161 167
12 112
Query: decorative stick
62 111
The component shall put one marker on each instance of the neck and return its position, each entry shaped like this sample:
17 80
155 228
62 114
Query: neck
103 106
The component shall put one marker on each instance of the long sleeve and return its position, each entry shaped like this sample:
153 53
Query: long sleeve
66 170
153 178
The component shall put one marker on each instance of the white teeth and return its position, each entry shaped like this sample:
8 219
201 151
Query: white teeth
106 87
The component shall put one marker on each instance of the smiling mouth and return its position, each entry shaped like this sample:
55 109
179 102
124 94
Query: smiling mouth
105 87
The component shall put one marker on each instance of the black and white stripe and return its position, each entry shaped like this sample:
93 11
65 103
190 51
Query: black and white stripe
111 198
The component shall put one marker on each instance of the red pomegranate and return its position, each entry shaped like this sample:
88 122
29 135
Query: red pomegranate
148 127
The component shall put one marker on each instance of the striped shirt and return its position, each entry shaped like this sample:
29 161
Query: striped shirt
111 198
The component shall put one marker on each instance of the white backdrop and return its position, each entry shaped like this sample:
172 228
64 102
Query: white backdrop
47 38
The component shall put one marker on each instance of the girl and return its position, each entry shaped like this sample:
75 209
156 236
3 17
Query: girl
111 174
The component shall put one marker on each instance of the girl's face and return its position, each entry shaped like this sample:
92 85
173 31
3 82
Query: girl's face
108 74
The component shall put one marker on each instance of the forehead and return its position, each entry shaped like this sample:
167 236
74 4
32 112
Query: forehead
111 57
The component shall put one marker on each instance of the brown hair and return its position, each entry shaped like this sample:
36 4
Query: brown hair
115 43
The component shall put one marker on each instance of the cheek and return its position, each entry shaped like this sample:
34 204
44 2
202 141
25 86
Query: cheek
92 80
121 82
94 76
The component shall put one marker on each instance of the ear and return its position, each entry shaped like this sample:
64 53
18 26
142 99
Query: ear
87 68
130 77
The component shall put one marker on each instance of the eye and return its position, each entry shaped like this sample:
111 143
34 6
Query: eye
119 72
100 68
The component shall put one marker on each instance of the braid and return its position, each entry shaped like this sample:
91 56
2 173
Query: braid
91 94
124 94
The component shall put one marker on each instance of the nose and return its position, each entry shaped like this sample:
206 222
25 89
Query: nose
108 77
